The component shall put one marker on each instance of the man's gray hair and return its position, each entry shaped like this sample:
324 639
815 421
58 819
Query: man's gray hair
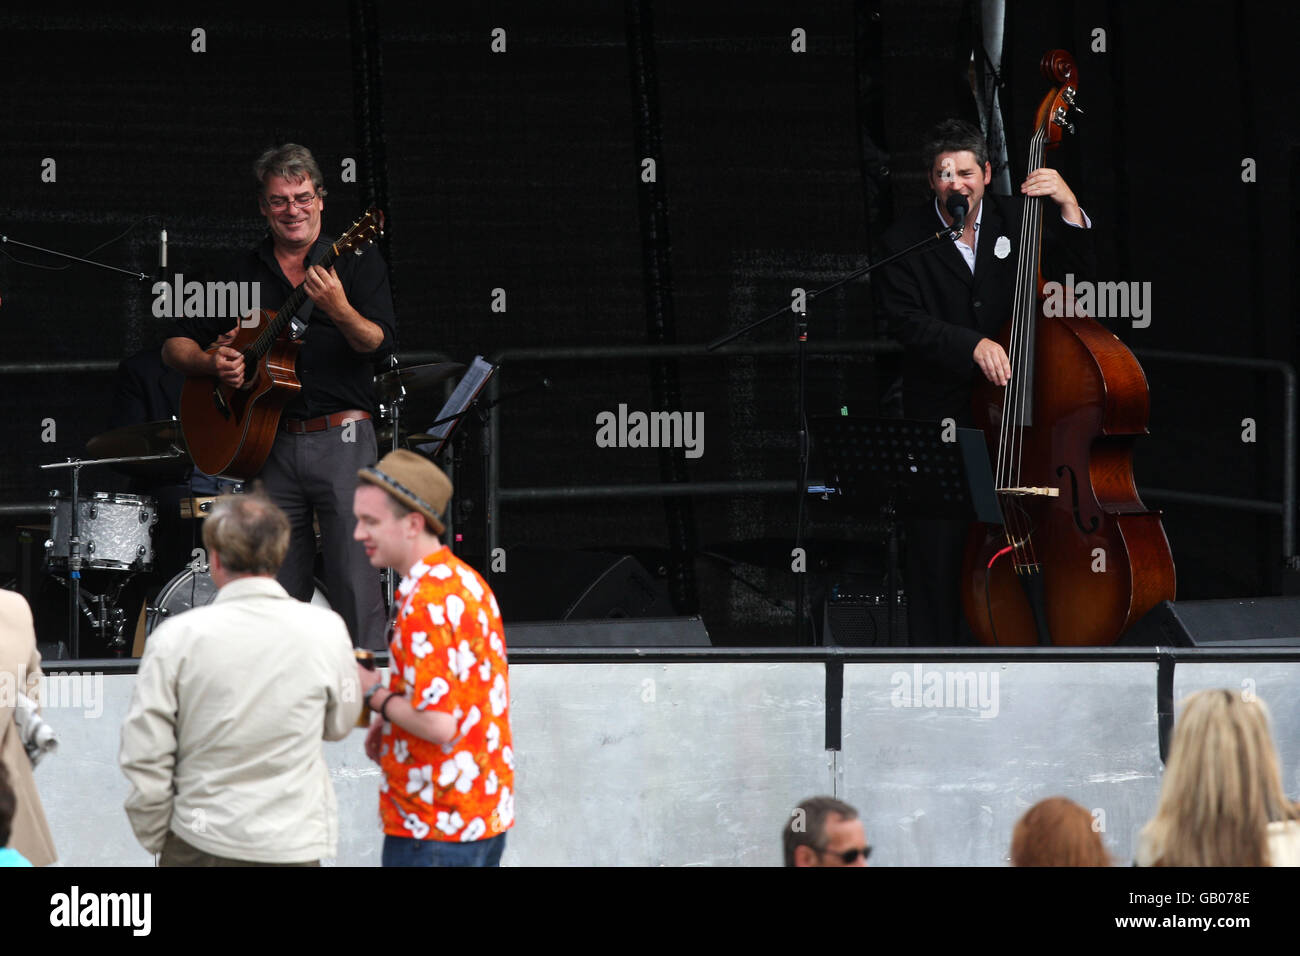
807 825
290 161
249 532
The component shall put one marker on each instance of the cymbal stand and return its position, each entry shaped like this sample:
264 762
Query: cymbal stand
74 560
392 413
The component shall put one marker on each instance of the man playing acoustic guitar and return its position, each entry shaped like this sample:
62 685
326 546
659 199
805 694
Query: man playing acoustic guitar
326 432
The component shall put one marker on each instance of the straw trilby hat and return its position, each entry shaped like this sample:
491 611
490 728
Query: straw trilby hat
414 481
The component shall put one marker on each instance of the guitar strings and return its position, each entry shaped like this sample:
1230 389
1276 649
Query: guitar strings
268 336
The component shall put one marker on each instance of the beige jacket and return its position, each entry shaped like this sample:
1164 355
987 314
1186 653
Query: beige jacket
20 671
222 741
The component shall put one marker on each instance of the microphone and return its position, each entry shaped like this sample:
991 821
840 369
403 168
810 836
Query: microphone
957 208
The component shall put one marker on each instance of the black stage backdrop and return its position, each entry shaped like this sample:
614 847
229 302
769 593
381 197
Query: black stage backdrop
521 168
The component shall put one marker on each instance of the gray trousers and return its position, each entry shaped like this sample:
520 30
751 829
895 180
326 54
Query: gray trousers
176 852
316 474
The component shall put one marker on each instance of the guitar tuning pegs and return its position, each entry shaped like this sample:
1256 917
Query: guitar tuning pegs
1079 110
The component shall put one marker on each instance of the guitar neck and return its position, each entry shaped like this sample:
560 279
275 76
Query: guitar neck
262 344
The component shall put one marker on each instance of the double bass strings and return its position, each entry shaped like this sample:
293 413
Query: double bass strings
1034 213
1011 432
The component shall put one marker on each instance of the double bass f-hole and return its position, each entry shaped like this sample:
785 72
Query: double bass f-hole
1094 524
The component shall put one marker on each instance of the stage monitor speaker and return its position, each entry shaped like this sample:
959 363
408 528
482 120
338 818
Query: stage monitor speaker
554 585
644 632
862 621
1234 622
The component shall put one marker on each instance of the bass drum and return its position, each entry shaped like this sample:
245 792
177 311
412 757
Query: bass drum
191 589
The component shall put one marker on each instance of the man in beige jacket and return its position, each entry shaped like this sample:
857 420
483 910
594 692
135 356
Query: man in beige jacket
222 742
20 672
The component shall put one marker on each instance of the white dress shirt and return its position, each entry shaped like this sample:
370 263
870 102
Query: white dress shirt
968 252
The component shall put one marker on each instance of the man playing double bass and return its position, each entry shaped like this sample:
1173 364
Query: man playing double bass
326 432
946 305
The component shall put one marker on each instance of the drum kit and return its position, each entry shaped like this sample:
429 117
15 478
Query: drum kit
100 544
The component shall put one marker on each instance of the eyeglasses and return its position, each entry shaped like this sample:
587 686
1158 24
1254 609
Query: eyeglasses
279 203
849 857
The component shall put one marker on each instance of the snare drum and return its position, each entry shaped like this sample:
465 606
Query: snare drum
191 589
116 531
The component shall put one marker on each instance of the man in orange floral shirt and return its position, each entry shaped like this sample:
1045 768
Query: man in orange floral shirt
443 737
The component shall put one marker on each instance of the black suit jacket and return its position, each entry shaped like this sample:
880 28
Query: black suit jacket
939 310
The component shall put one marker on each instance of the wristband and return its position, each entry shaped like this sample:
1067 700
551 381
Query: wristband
369 695
384 707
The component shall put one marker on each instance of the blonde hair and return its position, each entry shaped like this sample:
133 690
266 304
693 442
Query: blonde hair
1222 786
248 532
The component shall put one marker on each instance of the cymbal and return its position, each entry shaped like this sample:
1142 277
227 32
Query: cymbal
389 384
150 438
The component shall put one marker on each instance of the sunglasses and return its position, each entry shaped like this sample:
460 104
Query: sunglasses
849 857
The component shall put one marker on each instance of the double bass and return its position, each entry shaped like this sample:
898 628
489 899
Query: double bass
1079 558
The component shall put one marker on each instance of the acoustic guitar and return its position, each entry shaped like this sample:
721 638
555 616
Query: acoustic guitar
230 430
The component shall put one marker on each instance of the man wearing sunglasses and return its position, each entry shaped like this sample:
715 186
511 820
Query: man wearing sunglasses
326 431
823 831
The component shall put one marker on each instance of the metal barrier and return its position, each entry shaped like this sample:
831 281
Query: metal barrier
497 495
110 365
36 509
834 658
1285 507
696 755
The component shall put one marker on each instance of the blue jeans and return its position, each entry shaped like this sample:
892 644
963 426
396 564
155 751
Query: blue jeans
405 851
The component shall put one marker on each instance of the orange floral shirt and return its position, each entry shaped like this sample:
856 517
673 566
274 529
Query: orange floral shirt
448 654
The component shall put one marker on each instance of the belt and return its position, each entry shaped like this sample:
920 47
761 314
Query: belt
300 426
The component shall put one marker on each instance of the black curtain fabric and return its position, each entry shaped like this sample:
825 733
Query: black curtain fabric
505 140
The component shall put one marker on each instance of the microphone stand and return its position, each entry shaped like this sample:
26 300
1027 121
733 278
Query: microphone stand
393 411
74 541
801 338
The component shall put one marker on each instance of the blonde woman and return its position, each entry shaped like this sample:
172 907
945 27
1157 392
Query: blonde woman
1221 803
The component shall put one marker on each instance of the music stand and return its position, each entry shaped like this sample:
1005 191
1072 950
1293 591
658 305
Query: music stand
466 402
907 469
461 401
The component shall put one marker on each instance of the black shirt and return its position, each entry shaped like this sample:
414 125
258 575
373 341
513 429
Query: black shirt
334 377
